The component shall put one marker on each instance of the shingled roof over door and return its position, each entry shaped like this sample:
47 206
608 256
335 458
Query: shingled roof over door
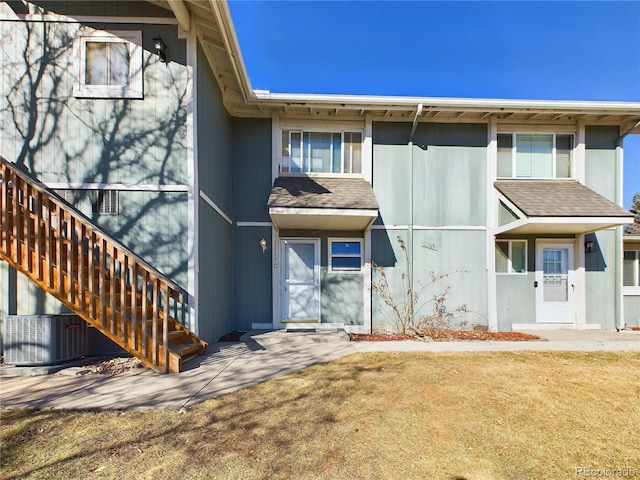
341 203
559 206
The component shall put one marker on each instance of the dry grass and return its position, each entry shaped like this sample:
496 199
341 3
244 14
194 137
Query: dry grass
369 416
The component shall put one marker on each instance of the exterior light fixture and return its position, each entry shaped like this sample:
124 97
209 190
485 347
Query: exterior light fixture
161 48
590 246
263 244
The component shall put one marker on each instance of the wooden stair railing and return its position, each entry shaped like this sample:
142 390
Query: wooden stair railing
66 255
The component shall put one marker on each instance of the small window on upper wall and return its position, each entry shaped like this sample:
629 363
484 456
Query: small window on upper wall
511 256
321 152
108 65
535 155
345 255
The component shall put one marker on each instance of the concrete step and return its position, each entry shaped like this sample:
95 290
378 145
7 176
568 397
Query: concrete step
311 335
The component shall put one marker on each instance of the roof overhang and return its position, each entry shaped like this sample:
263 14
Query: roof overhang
562 225
212 24
557 207
287 218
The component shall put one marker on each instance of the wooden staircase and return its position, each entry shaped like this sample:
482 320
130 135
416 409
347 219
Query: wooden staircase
65 254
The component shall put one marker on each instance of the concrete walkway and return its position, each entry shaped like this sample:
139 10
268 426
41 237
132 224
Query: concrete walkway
232 366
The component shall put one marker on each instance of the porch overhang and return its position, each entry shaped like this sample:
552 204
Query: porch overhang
563 207
322 218
322 203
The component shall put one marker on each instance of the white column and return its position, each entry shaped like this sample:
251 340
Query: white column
492 224
192 180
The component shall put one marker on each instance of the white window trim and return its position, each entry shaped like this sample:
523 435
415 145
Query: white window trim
633 289
135 87
317 129
514 164
330 256
510 270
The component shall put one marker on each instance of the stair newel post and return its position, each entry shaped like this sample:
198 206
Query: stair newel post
69 223
134 311
91 257
28 243
49 244
165 324
155 317
5 208
81 267
124 269
101 280
113 254
145 314
37 206
59 246
15 208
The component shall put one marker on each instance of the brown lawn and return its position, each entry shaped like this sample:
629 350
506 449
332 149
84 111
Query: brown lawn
370 416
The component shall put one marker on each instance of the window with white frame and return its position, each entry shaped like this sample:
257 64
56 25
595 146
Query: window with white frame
535 155
321 152
345 255
631 268
511 256
108 65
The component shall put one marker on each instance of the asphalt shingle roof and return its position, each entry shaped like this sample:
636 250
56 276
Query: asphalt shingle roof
558 198
322 192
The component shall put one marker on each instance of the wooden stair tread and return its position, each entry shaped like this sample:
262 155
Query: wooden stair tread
183 349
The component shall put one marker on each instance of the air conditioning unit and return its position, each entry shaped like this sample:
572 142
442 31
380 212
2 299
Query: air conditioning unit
44 339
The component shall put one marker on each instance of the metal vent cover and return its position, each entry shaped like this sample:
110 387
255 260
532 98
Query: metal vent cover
44 339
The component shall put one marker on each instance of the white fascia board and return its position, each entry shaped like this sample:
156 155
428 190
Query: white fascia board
612 221
338 212
456 103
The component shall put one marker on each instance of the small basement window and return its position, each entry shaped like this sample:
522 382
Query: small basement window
345 255
108 65
511 256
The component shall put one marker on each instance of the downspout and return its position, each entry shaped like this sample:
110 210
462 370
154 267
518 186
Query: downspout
410 143
620 323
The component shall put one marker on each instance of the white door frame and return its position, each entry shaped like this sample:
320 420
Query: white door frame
569 316
281 274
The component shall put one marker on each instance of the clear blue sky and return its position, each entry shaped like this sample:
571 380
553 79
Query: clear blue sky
526 50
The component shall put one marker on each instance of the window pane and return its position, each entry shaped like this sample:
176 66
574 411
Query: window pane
296 153
346 248
345 263
318 149
630 269
285 151
564 147
518 257
505 160
337 153
534 156
502 257
353 152
96 63
118 64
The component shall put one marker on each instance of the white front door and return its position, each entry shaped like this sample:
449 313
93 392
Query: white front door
554 283
301 279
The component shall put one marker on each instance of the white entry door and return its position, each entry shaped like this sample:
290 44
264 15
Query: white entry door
301 279
554 283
